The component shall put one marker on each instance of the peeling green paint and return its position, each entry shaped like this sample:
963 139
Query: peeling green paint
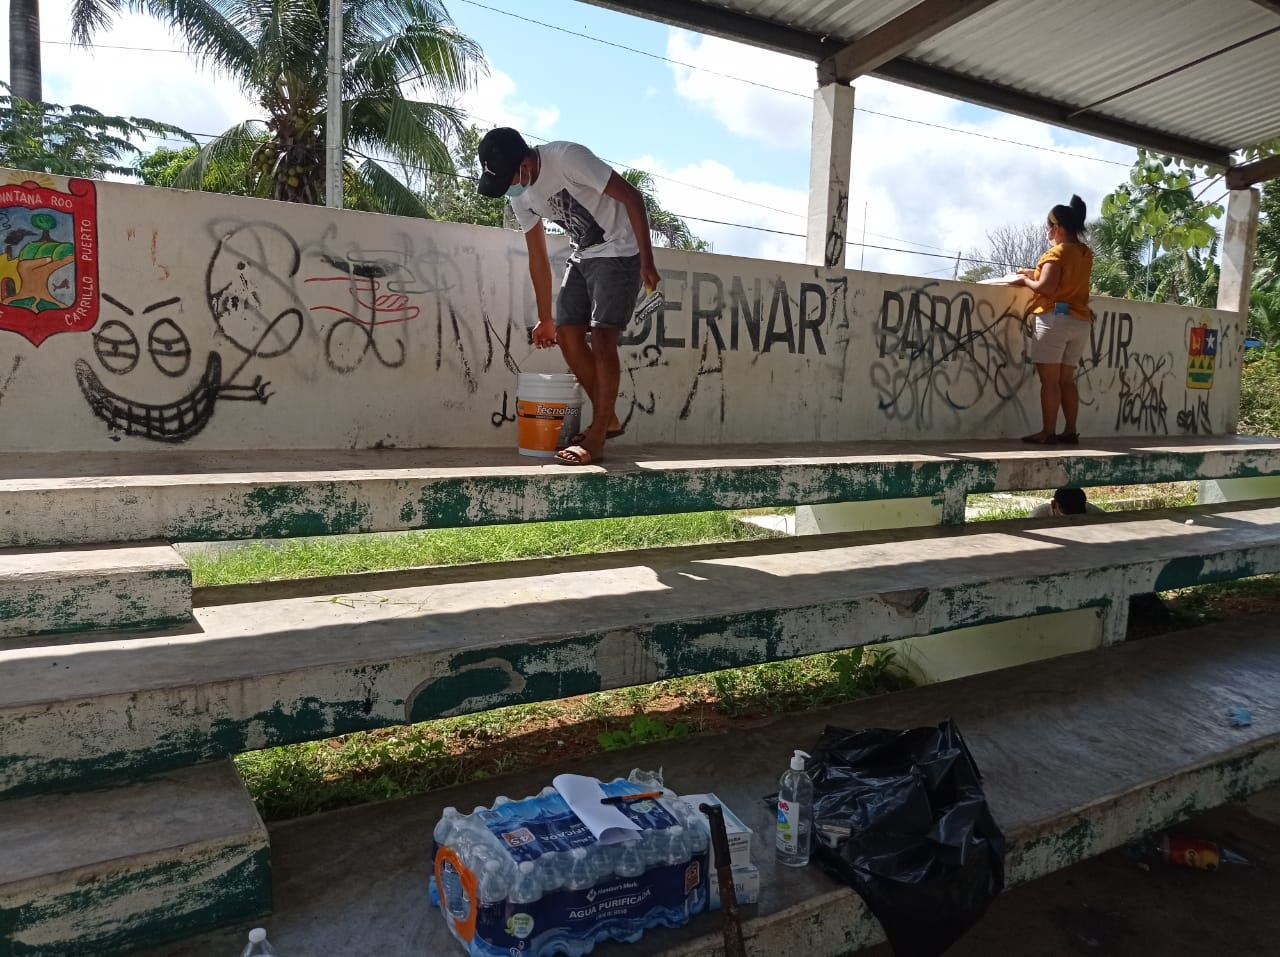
216 889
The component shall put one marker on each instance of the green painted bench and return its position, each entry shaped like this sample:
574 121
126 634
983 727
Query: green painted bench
157 693
1065 747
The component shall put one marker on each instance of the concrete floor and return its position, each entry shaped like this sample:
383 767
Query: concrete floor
1044 734
1114 906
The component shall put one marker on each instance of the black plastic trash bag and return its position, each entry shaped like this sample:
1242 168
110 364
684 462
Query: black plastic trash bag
901 817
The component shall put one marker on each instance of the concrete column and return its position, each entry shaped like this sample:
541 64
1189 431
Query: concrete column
830 162
830 156
1239 243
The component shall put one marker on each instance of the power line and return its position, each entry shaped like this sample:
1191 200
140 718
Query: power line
702 69
775 89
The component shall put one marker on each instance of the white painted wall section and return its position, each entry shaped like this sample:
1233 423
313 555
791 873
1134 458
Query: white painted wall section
152 318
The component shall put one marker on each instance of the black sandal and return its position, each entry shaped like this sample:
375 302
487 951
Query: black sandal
1037 439
1067 438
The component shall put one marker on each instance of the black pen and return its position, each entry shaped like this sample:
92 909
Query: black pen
628 798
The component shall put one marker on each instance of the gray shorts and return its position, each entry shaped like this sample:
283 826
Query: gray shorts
599 292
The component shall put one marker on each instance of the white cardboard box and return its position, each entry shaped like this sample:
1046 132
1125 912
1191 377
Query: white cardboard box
746 885
739 834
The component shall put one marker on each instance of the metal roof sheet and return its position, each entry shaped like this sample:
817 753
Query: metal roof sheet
1062 63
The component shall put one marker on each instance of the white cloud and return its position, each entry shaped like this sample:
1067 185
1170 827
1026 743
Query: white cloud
711 190
493 102
130 71
919 184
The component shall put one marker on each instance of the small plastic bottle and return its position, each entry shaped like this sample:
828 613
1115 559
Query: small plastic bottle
580 875
795 814
258 945
526 888
494 885
630 863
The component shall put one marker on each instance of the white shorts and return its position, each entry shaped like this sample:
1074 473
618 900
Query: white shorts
1059 340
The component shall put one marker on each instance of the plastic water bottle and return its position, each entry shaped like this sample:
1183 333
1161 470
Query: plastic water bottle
795 814
552 869
676 850
258 945
526 888
494 885
630 862
580 875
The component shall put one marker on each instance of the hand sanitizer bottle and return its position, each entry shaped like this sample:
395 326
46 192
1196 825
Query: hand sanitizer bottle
795 814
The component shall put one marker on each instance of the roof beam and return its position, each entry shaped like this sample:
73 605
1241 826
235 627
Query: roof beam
900 35
1250 174
1009 100
706 18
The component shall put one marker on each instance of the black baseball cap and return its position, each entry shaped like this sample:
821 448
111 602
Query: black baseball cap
500 154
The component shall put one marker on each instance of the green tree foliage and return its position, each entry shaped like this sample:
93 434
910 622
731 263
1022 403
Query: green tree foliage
451 195
667 228
165 166
73 140
276 50
1159 216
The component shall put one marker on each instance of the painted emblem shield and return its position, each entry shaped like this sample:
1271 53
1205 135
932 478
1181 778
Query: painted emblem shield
48 259
1202 356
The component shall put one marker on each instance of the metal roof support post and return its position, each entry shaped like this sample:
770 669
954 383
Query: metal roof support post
1239 242
830 156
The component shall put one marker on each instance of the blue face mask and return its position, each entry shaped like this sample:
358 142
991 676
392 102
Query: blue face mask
518 188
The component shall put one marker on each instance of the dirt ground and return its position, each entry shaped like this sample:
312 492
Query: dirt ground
1118 906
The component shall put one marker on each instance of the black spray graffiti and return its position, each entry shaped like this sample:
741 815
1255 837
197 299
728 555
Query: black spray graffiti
836 231
1141 400
1194 417
944 354
793 322
118 351
1110 335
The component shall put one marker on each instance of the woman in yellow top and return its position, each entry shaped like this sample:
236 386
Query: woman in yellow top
1060 285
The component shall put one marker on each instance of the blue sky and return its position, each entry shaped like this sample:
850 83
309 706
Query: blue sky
723 127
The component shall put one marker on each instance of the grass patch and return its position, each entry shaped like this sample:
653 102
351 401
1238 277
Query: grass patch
347 555
300 779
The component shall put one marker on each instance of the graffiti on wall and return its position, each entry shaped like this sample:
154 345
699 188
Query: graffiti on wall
940 354
48 259
117 348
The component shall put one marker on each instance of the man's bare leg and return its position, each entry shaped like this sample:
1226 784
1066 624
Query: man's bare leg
580 355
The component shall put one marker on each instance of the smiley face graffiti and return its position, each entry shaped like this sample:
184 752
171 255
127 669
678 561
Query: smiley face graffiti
119 352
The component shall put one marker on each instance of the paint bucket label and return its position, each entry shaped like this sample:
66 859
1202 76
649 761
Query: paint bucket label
548 412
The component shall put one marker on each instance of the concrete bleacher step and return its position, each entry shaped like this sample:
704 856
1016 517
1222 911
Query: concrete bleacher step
48 590
1065 748
471 638
209 496
101 873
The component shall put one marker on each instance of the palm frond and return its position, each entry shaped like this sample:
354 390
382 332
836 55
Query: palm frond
409 131
223 156
388 194
90 16
211 35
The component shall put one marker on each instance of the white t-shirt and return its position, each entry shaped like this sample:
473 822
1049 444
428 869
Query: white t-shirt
570 192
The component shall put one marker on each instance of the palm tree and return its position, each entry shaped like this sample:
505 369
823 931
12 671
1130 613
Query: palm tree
667 228
1119 266
276 50
24 50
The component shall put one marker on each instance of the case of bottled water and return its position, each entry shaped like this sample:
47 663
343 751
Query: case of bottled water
528 878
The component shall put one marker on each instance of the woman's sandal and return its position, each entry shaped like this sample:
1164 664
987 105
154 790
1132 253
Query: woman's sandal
1038 439
1067 438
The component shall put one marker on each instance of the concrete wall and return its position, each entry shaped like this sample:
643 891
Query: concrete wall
137 318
